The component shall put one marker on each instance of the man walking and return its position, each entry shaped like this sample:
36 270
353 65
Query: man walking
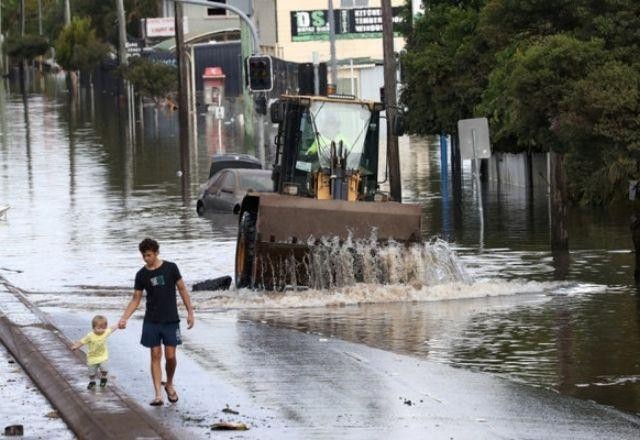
161 325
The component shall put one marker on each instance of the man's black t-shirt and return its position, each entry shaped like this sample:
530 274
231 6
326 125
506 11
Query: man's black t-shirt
160 285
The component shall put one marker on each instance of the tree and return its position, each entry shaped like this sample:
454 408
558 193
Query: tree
527 91
561 79
27 47
601 118
78 48
104 16
151 79
445 67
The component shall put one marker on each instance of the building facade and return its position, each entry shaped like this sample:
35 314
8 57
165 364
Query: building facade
203 20
299 31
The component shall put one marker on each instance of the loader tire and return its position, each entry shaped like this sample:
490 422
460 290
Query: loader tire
245 250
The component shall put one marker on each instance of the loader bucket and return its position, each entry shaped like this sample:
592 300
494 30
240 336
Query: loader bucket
286 227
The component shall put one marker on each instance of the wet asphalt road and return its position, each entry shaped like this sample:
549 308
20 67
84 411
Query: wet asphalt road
290 384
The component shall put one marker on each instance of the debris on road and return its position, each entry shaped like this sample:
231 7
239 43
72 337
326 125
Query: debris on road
220 283
13 430
229 410
229 426
53 414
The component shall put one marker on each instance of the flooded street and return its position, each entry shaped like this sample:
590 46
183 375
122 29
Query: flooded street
82 194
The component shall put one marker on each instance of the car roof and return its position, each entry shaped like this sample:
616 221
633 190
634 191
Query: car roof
251 171
233 160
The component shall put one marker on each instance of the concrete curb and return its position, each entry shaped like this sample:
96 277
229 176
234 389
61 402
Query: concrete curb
46 356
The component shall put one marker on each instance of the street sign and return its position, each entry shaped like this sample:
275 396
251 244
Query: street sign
474 138
163 27
134 47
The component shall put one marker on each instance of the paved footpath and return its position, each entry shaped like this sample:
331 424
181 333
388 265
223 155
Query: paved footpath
61 374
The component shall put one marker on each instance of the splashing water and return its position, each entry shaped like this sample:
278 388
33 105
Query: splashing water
333 263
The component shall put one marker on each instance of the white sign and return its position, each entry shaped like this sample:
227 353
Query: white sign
164 27
474 138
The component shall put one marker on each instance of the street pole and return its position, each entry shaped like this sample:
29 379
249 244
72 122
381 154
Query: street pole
1 43
122 58
122 33
393 156
183 91
558 205
39 17
22 18
332 44
476 172
67 13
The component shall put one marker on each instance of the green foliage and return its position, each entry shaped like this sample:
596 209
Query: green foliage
152 80
529 88
563 78
51 17
102 13
78 48
445 69
104 16
28 47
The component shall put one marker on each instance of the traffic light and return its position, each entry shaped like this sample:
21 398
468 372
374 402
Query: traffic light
260 73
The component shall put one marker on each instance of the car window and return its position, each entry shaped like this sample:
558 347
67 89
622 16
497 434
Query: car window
256 182
229 182
216 182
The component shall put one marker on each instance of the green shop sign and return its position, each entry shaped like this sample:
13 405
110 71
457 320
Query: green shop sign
349 24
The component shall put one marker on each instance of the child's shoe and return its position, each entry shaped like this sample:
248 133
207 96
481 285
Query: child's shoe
92 385
103 382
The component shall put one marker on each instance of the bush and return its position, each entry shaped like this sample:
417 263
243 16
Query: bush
78 48
28 46
151 79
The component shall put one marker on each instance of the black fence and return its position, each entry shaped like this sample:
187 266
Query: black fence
288 77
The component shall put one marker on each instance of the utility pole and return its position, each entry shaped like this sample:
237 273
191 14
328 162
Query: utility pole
183 91
1 43
558 211
393 156
332 44
22 18
122 33
39 17
122 59
67 13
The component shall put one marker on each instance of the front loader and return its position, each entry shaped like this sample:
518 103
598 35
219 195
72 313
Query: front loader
326 188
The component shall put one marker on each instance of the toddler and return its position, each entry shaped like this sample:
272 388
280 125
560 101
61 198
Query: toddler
97 353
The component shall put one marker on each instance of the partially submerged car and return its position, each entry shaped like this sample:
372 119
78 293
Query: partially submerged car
224 191
233 160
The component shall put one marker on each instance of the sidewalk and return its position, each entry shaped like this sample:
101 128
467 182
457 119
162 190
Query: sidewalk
61 375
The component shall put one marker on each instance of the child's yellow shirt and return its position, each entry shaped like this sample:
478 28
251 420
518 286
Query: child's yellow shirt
96 346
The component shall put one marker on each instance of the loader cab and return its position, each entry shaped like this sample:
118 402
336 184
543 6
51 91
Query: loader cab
326 147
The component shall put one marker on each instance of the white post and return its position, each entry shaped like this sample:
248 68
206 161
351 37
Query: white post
476 164
67 13
194 113
353 79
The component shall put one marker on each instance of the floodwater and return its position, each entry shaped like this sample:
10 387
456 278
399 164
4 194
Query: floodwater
83 191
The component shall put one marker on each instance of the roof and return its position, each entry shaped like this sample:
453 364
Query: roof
199 37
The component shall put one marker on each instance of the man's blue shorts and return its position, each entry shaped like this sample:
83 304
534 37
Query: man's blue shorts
154 334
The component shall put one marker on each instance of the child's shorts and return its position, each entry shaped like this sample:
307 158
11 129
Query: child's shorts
102 367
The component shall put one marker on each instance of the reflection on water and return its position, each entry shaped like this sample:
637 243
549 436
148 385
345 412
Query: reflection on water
83 192
83 195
